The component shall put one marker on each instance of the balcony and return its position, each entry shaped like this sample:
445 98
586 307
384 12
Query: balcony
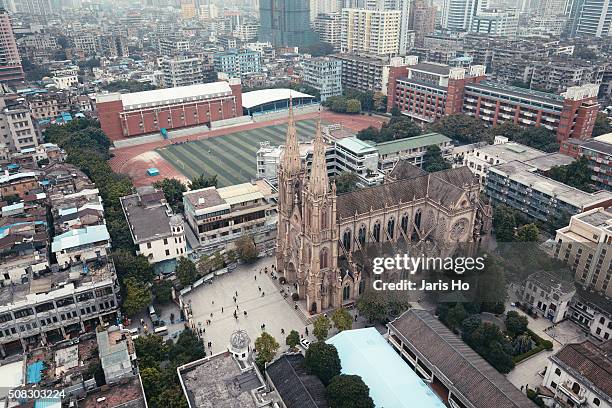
566 389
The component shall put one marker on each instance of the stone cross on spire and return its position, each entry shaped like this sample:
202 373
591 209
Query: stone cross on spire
318 183
291 163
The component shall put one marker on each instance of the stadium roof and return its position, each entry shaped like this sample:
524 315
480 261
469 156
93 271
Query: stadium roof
263 96
392 382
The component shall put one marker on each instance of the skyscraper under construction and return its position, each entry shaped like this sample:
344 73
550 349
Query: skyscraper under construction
286 23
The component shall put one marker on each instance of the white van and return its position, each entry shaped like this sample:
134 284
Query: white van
161 330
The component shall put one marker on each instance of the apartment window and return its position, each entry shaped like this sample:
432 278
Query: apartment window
165 241
553 385
167 252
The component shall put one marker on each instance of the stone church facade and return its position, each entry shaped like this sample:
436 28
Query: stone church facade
321 234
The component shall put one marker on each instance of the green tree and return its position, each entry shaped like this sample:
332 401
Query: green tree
128 86
151 350
349 391
129 265
203 181
266 347
515 323
395 111
186 271
462 127
171 397
400 127
504 222
173 191
577 174
322 360
342 319
321 327
246 249
162 291
470 324
138 296
537 137
346 182
491 288
433 160
151 380
456 315
528 233
187 348
380 307
353 106
293 339
602 125
337 104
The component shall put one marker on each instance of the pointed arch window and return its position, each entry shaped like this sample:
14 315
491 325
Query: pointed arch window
362 235
417 219
376 231
323 259
391 227
404 223
347 239
324 219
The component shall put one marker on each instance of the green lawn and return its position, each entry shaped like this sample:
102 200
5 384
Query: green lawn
230 157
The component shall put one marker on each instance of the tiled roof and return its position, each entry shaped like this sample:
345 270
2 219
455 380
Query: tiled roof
469 373
296 387
588 361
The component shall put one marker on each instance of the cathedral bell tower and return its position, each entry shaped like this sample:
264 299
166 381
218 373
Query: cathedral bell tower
323 286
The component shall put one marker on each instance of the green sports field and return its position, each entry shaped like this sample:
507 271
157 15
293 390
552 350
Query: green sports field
231 157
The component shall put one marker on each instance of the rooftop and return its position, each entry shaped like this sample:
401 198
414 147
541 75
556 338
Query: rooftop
127 394
148 216
78 237
438 69
264 96
510 151
222 198
169 95
395 146
356 146
392 382
550 160
296 387
599 145
219 381
550 282
469 373
515 91
588 361
526 175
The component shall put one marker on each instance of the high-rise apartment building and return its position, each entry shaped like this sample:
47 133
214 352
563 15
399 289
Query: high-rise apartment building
404 7
10 62
422 20
457 15
329 26
595 18
325 75
286 23
374 32
495 22
184 71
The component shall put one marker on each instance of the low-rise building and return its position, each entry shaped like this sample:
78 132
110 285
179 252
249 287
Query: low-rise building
598 152
579 375
82 244
158 233
219 216
520 186
585 246
185 71
592 311
18 184
548 295
412 149
358 157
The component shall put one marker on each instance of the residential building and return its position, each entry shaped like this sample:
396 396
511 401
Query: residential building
169 46
358 157
594 18
373 32
82 244
329 27
578 375
480 159
585 246
286 23
158 233
185 71
117 354
85 42
113 46
10 62
324 74
269 159
592 311
53 306
558 74
519 186
48 105
139 113
18 184
361 72
428 91
598 152
17 129
495 22
218 216
246 32
422 20
460 376
547 295
457 15
237 63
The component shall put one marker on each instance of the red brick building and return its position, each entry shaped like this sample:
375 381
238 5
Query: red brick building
140 113
428 91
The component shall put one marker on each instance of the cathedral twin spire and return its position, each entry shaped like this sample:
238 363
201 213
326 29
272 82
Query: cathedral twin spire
291 162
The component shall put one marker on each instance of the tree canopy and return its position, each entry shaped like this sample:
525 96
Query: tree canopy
138 296
321 327
602 125
399 127
266 347
203 181
173 191
346 182
380 307
349 391
342 319
577 174
433 160
246 249
464 128
186 271
323 361
293 339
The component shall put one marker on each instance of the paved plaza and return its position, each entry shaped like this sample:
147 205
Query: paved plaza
270 309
